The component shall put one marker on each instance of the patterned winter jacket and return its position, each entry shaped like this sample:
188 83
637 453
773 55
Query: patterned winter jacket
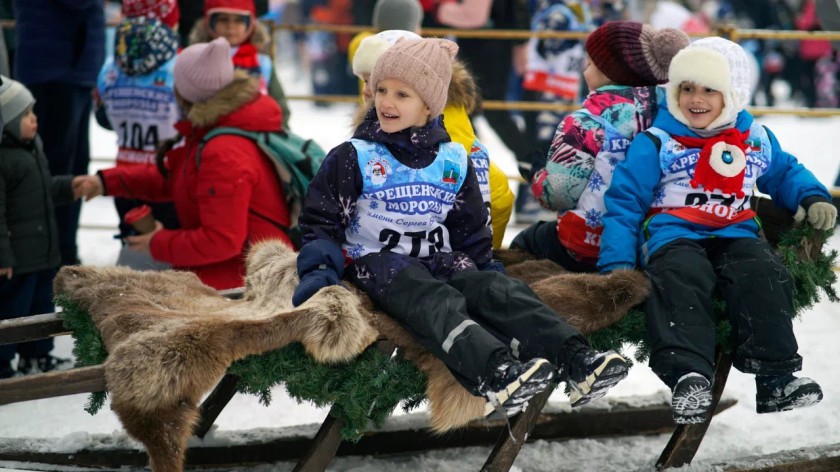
586 147
654 197
330 211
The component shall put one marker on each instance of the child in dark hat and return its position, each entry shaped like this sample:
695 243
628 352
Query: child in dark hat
398 209
29 254
626 60
679 205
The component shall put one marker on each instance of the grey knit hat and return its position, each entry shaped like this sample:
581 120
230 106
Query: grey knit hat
15 99
397 15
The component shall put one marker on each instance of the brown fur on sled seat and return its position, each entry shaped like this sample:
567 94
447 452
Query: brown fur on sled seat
170 338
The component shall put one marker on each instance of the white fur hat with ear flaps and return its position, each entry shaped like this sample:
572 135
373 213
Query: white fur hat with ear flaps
716 63
372 47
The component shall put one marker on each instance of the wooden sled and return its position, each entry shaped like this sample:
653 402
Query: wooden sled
680 450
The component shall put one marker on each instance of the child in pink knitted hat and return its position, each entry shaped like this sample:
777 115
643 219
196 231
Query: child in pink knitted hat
397 210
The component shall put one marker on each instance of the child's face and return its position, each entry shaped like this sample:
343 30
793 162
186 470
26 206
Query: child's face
367 93
593 76
398 106
700 105
231 26
28 126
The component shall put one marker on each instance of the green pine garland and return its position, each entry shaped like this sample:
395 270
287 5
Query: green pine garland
368 388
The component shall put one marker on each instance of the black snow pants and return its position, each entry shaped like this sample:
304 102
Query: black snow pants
749 277
475 320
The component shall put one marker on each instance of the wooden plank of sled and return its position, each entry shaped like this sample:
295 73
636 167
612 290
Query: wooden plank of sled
52 384
30 328
686 439
325 445
580 423
510 441
213 405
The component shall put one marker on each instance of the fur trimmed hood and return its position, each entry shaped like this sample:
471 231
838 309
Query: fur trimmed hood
241 91
260 37
463 91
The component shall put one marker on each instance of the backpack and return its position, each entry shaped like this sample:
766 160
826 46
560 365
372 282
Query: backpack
296 161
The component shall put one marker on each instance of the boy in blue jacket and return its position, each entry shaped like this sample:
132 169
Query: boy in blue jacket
398 210
679 203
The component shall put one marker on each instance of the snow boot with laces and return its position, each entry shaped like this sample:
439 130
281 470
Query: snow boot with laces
513 384
692 399
785 393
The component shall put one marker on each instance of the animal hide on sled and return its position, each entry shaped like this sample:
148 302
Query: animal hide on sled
170 338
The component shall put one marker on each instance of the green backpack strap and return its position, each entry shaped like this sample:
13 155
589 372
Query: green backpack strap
226 130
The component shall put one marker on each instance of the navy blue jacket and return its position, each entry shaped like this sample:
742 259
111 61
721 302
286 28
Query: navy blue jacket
338 184
59 41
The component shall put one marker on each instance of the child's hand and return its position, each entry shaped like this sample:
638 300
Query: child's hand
88 186
140 243
6 271
822 215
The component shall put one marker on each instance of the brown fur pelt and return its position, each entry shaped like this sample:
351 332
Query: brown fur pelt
170 338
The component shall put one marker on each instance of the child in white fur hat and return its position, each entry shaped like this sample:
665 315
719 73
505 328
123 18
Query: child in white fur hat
397 209
679 205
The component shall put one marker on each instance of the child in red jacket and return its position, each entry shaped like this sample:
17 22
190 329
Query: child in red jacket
229 201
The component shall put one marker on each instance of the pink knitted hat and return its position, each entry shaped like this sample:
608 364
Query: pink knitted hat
424 64
203 69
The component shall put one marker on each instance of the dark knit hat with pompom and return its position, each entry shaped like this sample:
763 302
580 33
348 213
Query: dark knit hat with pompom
632 53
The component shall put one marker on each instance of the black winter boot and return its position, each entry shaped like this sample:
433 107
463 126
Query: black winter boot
37 365
692 399
785 393
6 371
592 374
513 384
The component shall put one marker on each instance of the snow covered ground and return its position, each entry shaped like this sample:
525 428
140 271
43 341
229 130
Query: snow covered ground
61 424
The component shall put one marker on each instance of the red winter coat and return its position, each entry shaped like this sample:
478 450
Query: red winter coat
232 201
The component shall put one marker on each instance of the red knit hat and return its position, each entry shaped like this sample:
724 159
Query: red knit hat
237 7
241 7
631 53
164 10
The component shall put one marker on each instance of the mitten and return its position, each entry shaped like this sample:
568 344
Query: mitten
311 283
822 215
800 214
494 266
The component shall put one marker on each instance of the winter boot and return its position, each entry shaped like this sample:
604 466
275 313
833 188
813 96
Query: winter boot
785 392
513 384
592 374
37 365
692 399
6 371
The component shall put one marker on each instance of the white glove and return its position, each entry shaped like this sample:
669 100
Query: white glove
800 215
822 215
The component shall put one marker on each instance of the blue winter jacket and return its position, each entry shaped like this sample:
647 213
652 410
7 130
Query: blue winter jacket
59 41
631 235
